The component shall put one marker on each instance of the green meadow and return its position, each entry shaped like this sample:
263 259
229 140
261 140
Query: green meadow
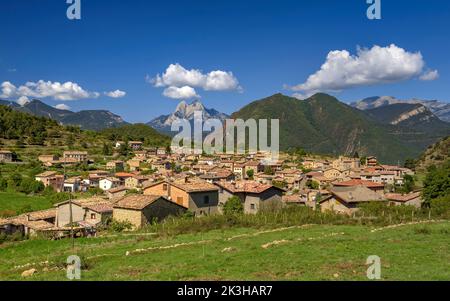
310 252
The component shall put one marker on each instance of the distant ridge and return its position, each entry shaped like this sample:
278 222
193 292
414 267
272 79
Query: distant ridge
88 119
438 108
323 124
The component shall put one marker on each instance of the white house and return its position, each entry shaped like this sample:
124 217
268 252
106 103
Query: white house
108 183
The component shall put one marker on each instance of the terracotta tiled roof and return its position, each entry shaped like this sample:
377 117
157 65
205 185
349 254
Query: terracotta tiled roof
136 201
42 214
294 198
124 175
244 186
195 186
101 207
402 197
356 194
117 189
357 182
47 174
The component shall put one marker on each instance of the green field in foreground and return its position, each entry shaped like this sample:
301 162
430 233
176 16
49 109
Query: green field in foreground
318 252
17 201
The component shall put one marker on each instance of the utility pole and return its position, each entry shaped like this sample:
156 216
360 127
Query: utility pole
70 209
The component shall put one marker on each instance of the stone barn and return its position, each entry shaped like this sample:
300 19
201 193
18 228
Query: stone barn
141 210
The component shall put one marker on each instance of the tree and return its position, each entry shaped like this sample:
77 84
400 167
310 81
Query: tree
437 182
363 160
70 141
408 183
268 170
410 163
250 173
233 206
312 184
107 149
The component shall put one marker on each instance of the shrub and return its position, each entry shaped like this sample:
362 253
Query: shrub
233 206
118 226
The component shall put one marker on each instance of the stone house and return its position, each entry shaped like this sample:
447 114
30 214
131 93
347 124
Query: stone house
346 199
198 196
123 176
410 199
254 196
376 187
135 145
78 156
217 175
48 158
115 165
134 164
116 192
92 211
6 156
141 210
29 224
51 179
73 184
136 182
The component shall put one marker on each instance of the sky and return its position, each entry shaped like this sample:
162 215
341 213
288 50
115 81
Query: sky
138 58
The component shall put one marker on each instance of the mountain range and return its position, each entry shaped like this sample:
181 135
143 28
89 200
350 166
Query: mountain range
184 111
323 124
87 119
390 129
438 108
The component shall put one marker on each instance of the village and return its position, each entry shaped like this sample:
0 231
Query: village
154 184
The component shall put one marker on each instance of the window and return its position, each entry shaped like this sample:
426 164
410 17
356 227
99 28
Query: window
252 206
93 216
165 187
206 199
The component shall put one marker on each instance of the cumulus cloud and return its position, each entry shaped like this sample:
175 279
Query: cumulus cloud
184 92
58 91
378 65
62 106
116 94
430 75
8 90
23 100
42 89
176 76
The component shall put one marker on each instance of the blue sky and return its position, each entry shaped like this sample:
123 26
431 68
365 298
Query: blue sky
268 46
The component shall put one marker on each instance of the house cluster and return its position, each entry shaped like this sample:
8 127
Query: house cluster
68 158
154 184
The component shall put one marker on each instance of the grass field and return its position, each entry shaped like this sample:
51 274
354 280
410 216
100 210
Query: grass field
17 201
316 252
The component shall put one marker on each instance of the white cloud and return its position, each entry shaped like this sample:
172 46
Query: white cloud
42 89
116 94
23 100
430 75
185 92
378 65
62 106
176 76
8 90
55 90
